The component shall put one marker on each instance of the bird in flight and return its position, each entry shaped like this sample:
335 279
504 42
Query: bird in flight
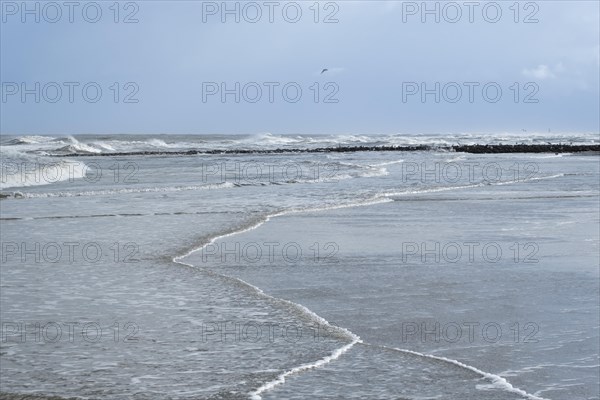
324 70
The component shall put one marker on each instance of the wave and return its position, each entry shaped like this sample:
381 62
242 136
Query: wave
271 139
535 178
77 148
385 164
65 139
369 173
364 172
28 140
104 146
455 159
469 186
21 174
161 144
255 395
431 190
168 189
497 381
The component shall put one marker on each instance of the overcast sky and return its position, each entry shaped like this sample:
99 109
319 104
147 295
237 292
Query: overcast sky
380 55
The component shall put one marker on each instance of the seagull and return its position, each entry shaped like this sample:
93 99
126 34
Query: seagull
324 70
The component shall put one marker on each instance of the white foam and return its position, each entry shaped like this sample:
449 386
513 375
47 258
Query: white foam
496 381
167 189
32 139
281 378
78 148
383 164
160 143
255 395
431 190
21 174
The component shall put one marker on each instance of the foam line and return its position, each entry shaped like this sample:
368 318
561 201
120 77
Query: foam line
496 380
281 378
255 395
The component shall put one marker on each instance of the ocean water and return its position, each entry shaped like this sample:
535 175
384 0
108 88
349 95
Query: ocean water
381 275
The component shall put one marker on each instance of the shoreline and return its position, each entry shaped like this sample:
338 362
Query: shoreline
498 381
280 379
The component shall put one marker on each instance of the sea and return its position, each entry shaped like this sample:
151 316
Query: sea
130 269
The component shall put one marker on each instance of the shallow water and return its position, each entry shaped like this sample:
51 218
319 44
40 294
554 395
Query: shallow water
322 248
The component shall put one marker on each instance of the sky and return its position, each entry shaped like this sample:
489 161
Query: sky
201 67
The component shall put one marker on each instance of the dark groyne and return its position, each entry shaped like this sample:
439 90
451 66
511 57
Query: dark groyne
526 148
475 149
